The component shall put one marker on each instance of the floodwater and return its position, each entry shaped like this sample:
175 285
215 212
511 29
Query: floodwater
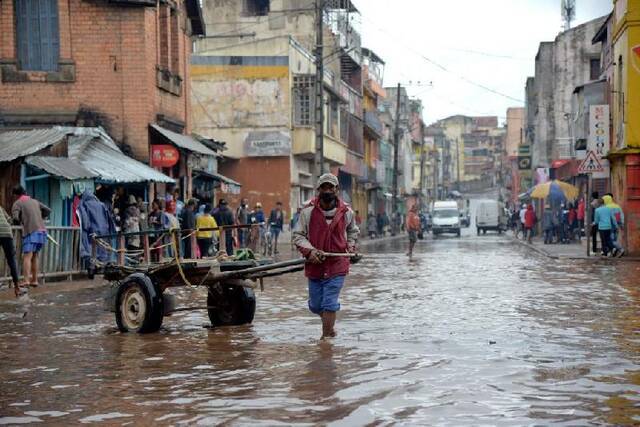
475 330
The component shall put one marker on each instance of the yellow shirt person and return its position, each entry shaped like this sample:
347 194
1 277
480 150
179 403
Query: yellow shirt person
206 221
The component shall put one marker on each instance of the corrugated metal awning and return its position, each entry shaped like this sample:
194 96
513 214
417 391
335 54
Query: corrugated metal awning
185 142
61 167
20 143
217 177
109 163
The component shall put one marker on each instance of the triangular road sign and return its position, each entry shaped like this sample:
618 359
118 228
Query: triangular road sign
590 164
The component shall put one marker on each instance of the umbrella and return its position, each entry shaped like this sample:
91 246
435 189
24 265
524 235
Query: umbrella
555 190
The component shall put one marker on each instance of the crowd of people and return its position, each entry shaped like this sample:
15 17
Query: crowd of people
565 223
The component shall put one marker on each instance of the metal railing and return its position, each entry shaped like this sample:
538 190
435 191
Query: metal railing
158 245
61 258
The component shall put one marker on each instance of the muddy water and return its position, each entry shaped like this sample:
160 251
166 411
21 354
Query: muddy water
473 331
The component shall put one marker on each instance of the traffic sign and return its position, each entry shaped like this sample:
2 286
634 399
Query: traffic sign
590 164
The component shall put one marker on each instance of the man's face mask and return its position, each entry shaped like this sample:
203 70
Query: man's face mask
327 196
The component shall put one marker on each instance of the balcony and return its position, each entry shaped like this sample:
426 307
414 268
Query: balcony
304 145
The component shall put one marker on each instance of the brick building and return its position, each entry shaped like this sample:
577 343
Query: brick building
122 65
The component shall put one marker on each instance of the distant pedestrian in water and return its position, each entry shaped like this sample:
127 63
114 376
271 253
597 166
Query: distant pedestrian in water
187 225
30 213
413 227
224 217
595 203
9 248
547 224
529 222
132 223
372 225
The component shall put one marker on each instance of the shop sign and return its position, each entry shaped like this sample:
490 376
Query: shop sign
265 144
598 141
164 156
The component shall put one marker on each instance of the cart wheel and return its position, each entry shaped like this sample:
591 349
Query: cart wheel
236 307
138 306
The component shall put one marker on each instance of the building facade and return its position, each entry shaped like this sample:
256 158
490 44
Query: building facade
255 90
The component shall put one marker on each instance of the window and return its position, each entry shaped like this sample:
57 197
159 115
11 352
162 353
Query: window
174 43
256 8
302 100
164 36
594 69
37 34
333 117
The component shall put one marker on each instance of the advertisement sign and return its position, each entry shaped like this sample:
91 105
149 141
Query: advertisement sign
524 162
598 141
164 156
265 144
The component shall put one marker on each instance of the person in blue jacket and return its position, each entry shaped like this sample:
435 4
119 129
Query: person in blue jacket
605 219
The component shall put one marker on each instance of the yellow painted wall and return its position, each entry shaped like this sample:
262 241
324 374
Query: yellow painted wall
626 76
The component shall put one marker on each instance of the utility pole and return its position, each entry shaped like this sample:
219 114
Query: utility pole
458 164
422 162
396 148
435 174
319 98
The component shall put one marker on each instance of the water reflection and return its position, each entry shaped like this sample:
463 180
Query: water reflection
471 331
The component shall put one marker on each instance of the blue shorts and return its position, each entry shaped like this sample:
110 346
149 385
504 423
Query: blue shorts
323 294
34 242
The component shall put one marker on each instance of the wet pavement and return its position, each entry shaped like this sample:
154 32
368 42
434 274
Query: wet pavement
476 330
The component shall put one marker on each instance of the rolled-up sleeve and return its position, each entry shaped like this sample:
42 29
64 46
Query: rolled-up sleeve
352 230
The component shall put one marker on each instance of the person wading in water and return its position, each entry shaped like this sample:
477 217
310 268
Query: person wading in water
326 225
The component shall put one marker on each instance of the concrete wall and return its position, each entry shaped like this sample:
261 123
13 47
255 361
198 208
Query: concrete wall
515 130
111 53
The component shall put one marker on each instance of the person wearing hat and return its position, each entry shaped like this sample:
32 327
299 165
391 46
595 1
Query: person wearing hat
326 225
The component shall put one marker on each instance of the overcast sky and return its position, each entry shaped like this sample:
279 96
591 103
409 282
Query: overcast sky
489 42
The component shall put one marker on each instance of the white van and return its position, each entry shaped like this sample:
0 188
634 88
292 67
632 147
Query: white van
490 215
446 218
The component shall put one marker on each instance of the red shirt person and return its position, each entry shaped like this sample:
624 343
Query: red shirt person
530 220
326 225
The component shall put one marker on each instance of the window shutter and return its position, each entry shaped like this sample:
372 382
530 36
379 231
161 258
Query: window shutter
38 39
22 33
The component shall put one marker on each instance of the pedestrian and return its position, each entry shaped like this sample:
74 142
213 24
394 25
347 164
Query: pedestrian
523 211
326 224
529 222
29 213
155 223
413 227
547 224
187 226
276 222
9 248
618 250
295 218
573 222
580 217
380 224
179 204
205 238
224 218
595 203
605 220
372 225
132 223
242 218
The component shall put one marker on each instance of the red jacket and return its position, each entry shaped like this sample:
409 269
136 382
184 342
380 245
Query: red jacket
530 217
581 210
328 238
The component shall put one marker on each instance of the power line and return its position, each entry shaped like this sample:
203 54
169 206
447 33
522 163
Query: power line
442 67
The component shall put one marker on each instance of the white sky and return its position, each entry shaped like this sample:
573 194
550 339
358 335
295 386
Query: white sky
446 31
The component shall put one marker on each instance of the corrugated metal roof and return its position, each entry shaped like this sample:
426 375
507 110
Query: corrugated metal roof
109 163
61 167
184 141
217 177
21 143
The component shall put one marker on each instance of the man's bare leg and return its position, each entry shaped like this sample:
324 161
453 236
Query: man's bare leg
26 267
328 323
34 269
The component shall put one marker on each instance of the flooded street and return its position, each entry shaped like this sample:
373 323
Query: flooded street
476 330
